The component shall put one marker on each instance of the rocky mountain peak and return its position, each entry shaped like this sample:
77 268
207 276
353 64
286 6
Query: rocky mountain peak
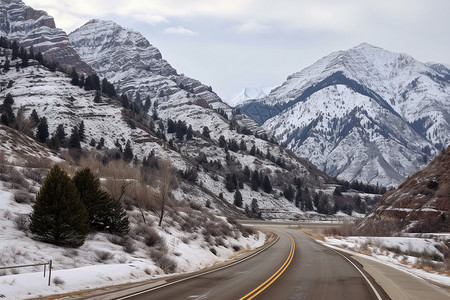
405 104
36 28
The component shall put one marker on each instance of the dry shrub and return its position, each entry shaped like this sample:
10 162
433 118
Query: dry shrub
93 161
102 256
152 237
345 229
35 174
58 281
163 261
115 239
21 222
118 169
38 162
18 182
144 197
195 206
185 240
23 197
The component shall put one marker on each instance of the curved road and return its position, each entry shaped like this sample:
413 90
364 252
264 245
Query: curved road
295 267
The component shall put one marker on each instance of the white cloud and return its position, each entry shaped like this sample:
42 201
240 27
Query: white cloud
252 27
180 31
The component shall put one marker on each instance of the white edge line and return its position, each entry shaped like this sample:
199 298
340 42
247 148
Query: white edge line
198 275
356 267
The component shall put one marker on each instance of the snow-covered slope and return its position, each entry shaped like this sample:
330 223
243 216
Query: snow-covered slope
249 93
36 28
402 119
137 68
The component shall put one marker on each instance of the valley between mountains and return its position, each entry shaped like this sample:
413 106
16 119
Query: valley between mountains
121 169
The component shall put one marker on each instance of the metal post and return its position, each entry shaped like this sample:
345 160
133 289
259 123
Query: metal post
45 266
49 272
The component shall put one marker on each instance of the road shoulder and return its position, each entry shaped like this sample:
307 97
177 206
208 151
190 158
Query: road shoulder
118 291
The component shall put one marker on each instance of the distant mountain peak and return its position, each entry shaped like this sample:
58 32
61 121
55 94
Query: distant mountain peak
249 93
406 105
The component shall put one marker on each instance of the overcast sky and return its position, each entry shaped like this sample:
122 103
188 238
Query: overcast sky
232 44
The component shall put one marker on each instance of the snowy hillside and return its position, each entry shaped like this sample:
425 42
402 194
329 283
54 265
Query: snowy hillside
36 28
406 103
148 251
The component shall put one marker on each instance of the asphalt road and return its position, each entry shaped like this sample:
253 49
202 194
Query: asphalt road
295 267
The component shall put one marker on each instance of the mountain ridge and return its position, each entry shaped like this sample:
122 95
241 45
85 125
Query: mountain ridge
36 28
413 94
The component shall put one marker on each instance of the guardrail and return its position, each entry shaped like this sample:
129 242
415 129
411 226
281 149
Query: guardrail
49 263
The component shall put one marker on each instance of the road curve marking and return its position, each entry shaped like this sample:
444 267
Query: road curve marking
356 267
197 275
274 277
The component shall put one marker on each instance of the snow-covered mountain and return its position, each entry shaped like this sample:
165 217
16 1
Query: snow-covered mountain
224 147
363 114
36 28
249 93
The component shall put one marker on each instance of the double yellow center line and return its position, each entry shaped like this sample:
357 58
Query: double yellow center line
274 277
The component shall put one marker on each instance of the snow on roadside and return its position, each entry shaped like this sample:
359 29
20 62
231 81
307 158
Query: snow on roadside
103 259
190 257
375 248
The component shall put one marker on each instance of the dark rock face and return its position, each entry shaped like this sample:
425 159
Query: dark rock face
36 28
420 204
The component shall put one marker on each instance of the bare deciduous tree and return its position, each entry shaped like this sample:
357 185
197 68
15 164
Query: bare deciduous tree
167 182
23 123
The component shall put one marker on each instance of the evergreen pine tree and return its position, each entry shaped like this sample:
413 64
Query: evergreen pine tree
60 133
59 216
15 50
74 140
8 118
81 133
267 187
289 192
238 198
7 65
128 152
97 98
75 79
171 126
24 56
147 104
243 146
118 218
35 117
255 181
39 57
54 143
189 133
42 130
256 212
31 54
95 200
101 143
222 142
82 81
206 132
125 102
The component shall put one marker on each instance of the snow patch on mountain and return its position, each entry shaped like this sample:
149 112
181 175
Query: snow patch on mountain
249 93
